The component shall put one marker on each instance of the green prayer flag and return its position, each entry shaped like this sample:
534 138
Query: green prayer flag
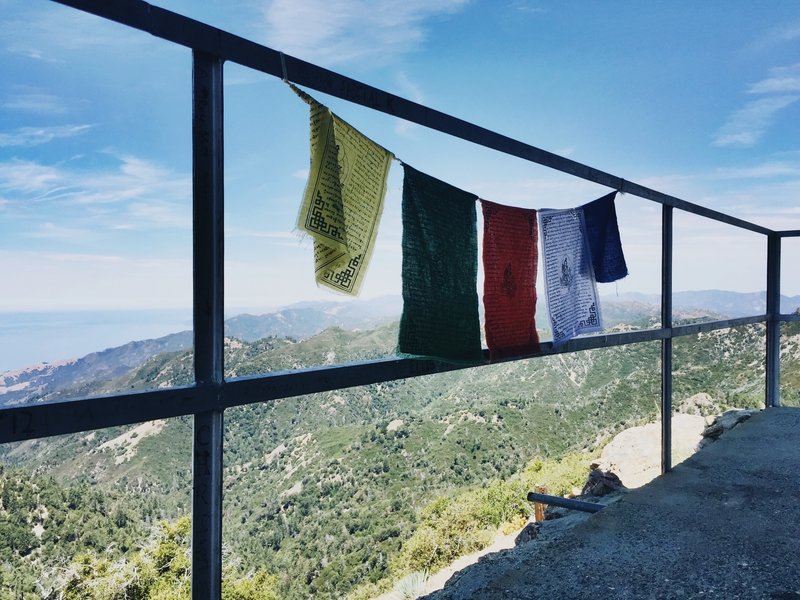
440 270
343 200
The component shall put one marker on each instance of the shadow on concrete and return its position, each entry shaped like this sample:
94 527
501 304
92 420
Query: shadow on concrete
723 524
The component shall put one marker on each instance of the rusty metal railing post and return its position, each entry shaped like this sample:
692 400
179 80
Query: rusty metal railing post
208 247
666 343
772 388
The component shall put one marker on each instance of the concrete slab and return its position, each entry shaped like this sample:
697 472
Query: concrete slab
724 524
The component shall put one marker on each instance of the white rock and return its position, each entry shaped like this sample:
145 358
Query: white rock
635 454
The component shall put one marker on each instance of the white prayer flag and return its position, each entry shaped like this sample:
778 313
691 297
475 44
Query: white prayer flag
569 281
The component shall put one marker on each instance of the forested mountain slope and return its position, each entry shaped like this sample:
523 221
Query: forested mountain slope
326 489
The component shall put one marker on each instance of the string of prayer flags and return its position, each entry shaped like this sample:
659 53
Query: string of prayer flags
602 234
570 286
343 199
440 270
510 258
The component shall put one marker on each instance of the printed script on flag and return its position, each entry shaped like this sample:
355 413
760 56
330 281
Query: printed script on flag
343 200
570 286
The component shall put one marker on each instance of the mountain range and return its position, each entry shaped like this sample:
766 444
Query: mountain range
725 303
304 319
330 491
92 373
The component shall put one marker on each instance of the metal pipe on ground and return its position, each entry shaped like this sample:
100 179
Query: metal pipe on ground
589 507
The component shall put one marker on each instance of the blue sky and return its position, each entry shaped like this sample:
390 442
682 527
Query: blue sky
700 100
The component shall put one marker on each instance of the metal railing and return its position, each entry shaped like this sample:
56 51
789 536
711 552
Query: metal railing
211 394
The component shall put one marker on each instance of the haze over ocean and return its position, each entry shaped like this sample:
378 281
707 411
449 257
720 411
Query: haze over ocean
27 338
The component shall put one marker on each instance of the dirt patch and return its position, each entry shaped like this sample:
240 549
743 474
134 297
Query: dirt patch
130 439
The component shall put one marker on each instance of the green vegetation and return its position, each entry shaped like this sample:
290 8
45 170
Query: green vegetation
43 524
342 493
790 369
450 527
159 571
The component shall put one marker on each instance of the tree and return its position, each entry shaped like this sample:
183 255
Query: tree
159 571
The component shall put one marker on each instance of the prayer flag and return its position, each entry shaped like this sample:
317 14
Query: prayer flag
343 199
602 234
570 286
440 270
510 259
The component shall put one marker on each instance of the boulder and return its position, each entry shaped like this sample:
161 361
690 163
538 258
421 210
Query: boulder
724 422
600 483
699 404
635 453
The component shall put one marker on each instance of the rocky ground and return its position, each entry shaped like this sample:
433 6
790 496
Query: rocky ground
632 459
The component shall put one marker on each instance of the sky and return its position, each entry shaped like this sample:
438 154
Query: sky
698 100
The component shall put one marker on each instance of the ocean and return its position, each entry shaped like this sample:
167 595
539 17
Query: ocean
27 338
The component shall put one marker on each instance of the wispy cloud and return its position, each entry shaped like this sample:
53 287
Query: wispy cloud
86 280
779 89
157 212
526 7
262 234
36 103
554 192
29 52
24 179
53 231
133 193
43 32
408 88
746 126
782 34
770 169
136 182
764 193
787 33
781 80
35 136
764 170
340 31
411 91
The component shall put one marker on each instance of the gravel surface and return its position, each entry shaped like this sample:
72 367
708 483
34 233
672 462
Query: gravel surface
723 524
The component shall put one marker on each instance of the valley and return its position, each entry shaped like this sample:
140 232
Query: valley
344 492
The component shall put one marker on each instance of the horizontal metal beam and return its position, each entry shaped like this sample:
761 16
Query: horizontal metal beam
789 318
260 388
199 36
71 416
696 328
44 419
791 233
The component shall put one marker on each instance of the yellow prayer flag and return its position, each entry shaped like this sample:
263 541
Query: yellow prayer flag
343 199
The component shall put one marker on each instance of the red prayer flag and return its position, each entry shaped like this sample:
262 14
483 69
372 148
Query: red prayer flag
510 260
